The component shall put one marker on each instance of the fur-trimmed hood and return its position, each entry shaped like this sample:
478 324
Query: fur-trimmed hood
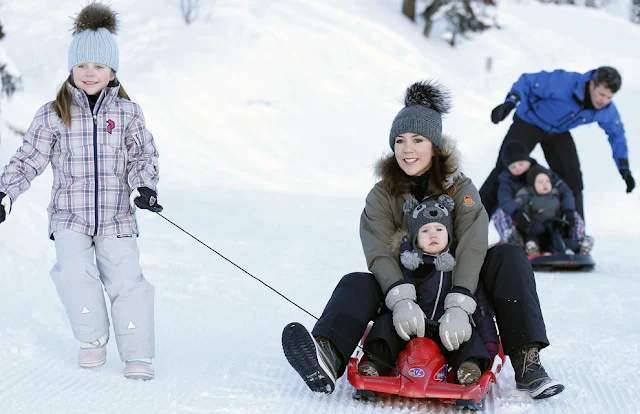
450 151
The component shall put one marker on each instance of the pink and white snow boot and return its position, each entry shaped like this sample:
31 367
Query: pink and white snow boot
139 369
93 354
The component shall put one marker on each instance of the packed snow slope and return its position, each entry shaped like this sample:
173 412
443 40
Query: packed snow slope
268 116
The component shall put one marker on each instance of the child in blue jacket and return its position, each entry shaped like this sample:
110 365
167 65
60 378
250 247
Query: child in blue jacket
510 218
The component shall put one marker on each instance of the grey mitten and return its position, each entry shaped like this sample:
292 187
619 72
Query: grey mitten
408 318
455 326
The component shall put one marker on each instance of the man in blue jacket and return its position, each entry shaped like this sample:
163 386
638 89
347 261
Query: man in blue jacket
548 105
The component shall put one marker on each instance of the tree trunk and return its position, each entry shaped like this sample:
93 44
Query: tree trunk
409 9
428 15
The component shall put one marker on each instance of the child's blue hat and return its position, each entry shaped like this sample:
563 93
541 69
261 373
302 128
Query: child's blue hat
93 39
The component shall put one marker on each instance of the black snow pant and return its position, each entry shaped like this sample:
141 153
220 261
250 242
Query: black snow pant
559 151
509 286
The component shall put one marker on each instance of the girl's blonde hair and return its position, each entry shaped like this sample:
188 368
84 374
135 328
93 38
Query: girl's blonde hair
64 99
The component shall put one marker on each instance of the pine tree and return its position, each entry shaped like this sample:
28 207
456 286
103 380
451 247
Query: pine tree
465 16
462 16
9 79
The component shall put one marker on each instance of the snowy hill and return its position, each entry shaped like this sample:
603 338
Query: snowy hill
268 116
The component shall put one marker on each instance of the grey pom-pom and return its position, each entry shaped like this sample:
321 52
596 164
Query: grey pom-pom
445 262
429 94
409 205
94 16
410 259
447 202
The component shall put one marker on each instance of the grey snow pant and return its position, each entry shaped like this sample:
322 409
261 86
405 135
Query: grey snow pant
79 284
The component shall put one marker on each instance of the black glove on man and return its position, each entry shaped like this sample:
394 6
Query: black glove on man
501 111
146 198
628 178
625 172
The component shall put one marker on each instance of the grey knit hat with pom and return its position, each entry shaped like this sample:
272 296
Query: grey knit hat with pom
93 39
425 102
419 214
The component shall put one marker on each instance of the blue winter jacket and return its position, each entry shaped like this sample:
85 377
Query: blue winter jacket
509 185
555 102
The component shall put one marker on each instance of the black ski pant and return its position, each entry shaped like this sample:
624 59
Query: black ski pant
509 286
354 302
559 151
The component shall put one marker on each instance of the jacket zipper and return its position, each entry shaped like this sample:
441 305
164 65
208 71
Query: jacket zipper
95 163
433 314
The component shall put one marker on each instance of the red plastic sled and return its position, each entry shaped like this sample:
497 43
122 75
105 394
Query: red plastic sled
426 374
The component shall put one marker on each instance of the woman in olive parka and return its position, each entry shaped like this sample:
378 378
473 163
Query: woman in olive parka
424 165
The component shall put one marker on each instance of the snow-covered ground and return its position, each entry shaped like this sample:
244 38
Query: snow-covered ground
268 116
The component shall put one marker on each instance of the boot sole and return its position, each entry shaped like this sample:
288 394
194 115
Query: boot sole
546 390
92 364
301 351
139 376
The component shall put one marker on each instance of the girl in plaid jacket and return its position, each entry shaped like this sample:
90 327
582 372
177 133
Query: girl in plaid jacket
105 164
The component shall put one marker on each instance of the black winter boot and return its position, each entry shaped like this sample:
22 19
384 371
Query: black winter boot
316 360
468 373
531 376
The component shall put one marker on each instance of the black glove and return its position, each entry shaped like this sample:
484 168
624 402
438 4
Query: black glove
147 199
3 213
628 178
501 111
536 228
569 217
625 172
522 222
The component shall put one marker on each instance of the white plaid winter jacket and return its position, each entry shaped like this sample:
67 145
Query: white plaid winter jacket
96 163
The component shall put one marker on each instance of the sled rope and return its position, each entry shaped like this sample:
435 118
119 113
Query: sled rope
277 292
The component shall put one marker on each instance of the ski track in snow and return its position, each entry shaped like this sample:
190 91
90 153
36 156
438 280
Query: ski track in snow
208 362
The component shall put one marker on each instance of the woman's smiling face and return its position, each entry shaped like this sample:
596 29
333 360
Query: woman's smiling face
414 153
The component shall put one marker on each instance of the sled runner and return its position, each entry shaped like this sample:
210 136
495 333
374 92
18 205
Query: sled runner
426 374
561 262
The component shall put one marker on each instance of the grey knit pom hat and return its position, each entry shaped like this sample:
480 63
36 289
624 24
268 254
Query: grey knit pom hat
425 103
419 214
93 39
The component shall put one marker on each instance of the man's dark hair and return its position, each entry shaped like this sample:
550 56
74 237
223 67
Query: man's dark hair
609 76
